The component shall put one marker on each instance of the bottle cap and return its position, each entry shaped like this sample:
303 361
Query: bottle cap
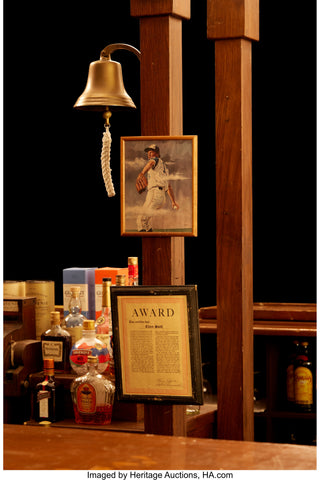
55 318
48 365
120 279
88 325
132 260
92 359
107 279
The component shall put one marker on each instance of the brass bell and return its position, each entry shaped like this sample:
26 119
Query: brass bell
105 86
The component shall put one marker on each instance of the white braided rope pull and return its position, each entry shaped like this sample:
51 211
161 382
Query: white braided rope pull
105 162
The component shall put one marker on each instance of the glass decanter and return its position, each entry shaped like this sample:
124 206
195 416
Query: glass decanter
92 396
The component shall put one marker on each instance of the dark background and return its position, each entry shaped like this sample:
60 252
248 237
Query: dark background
56 211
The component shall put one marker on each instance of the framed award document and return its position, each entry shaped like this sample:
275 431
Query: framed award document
157 349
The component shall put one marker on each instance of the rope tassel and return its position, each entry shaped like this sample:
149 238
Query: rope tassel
105 162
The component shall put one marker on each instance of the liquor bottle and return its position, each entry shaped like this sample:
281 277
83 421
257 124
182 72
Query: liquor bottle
89 344
133 272
47 398
104 322
56 344
104 326
74 320
120 280
303 379
294 349
92 396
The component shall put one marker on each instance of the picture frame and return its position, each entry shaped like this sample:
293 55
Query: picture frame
168 205
157 350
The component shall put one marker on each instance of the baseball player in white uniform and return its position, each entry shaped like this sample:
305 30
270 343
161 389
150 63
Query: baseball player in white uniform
157 187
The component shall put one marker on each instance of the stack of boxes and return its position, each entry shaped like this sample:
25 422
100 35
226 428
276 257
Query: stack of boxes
90 282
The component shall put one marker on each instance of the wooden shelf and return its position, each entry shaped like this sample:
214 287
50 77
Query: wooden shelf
275 325
198 425
281 319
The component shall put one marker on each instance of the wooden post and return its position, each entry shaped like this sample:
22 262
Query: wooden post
232 24
162 114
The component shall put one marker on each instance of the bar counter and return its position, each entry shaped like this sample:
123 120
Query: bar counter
56 448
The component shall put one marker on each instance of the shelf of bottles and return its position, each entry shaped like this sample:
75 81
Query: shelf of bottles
78 358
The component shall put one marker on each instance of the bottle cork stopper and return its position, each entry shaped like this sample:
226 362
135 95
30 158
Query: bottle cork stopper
132 260
120 280
88 325
55 318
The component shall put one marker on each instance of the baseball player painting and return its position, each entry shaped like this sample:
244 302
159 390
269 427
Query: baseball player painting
154 180
159 185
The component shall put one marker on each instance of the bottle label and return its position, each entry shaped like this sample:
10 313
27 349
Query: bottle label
303 386
52 350
103 323
43 400
133 274
79 356
75 332
86 398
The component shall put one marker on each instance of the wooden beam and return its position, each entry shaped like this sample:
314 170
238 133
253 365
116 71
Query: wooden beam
142 8
162 114
233 21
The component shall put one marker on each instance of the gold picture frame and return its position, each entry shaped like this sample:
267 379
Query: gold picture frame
168 205
157 349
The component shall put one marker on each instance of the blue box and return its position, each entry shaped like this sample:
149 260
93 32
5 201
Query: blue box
85 279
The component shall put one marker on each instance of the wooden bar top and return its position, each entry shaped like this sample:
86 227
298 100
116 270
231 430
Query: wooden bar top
48 448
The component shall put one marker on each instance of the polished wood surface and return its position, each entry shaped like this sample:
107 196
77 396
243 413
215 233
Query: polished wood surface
48 448
232 21
141 8
233 18
271 319
306 312
163 258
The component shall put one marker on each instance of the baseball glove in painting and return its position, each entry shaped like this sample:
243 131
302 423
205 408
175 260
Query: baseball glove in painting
141 183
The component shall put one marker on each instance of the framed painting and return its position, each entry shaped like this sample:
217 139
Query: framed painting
159 184
157 349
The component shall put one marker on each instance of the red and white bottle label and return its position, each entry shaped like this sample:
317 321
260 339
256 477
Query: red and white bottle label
86 398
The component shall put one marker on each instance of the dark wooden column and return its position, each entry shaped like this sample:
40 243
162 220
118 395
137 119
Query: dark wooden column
162 114
233 24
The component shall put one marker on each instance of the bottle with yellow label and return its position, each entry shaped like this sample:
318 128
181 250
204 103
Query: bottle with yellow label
294 349
303 379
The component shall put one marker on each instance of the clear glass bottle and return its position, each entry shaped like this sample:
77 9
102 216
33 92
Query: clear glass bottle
92 396
89 344
56 343
104 326
47 398
133 271
73 322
